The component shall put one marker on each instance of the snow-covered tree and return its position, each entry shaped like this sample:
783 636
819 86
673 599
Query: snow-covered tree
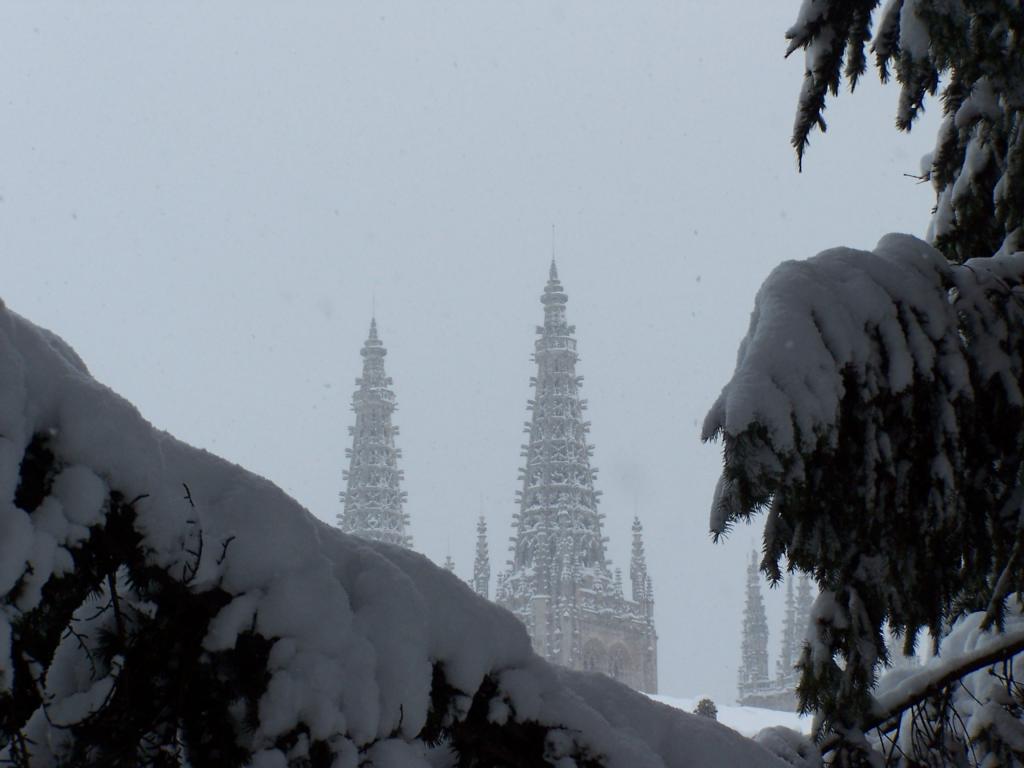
875 414
162 607
877 405
706 708
975 49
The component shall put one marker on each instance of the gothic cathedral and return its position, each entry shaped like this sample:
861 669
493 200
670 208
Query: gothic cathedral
560 583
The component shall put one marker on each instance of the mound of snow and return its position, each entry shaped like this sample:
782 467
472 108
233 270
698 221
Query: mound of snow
747 720
367 654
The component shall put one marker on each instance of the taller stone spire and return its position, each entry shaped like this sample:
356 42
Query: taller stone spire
558 481
559 582
373 498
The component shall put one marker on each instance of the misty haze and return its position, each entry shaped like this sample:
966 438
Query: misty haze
461 384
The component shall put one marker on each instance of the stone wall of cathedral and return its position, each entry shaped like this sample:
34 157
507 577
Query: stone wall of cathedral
620 644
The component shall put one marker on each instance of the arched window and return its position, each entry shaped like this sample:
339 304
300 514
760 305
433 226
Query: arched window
620 661
595 658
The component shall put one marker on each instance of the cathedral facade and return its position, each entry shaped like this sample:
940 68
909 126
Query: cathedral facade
560 583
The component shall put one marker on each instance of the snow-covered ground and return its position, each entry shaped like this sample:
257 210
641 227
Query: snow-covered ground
747 720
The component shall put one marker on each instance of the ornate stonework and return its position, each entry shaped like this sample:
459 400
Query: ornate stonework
559 582
755 687
373 499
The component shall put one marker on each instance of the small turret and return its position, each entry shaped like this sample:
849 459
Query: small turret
482 563
638 564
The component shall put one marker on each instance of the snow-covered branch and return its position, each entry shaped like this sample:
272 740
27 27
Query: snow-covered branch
876 414
931 682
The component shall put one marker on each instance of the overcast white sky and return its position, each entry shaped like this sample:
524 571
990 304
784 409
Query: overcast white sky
203 198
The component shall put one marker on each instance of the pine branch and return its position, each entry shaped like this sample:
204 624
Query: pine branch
1002 588
889 720
116 604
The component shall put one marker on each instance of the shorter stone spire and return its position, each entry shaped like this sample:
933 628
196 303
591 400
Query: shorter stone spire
804 601
482 563
753 674
373 499
638 564
791 639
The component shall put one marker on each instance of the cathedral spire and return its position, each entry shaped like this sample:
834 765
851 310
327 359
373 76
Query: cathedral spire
802 609
482 563
640 582
753 675
373 499
559 582
791 638
558 480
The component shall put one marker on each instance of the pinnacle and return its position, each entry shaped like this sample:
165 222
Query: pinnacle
553 291
373 341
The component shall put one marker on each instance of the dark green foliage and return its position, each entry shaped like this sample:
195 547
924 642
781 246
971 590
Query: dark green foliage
846 28
166 688
706 708
479 743
35 475
976 49
171 701
906 509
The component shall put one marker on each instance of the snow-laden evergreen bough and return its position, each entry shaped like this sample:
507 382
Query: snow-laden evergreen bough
875 411
875 414
159 606
975 50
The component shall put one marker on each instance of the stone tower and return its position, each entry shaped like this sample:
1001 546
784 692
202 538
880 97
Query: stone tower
754 682
373 499
482 563
804 601
792 642
559 582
